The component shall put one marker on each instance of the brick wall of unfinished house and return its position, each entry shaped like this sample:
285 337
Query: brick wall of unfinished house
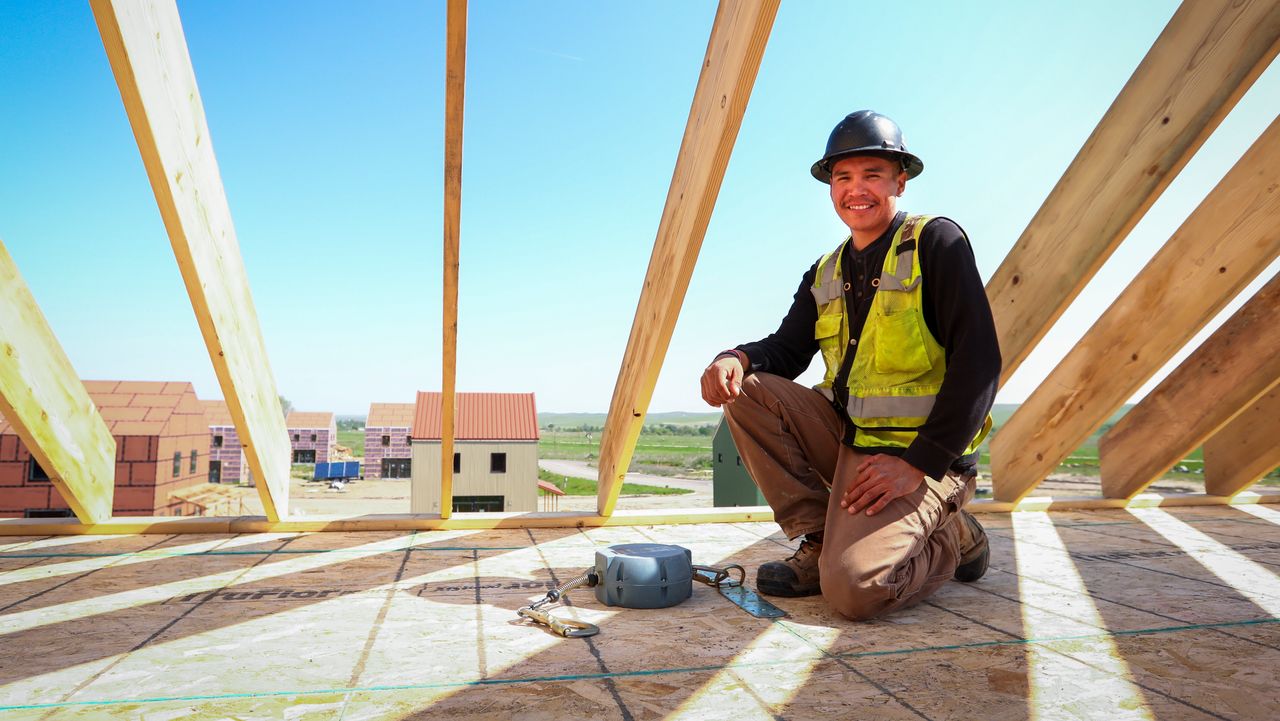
230 453
186 435
374 451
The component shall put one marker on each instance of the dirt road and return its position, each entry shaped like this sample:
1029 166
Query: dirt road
700 498
581 469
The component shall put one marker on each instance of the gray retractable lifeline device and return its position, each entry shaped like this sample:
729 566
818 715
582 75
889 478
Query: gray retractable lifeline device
647 575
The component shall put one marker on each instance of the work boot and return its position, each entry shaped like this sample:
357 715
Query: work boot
975 553
796 576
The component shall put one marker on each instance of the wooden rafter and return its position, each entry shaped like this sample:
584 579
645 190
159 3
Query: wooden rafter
1245 449
728 74
1205 59
43 399
1231 370
1223 245
148 53
455 85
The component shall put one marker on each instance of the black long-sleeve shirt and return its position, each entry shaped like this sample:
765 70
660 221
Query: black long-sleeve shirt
956 312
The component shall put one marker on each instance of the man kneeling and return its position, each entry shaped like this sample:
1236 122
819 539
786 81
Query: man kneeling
872 467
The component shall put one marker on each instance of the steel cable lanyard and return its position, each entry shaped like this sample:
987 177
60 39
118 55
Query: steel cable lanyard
538 613
646 575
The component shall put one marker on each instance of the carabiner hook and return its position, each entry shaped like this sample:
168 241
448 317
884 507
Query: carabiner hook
568 628
719 577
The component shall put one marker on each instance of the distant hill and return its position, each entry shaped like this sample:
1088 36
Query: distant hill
679 418
1000 414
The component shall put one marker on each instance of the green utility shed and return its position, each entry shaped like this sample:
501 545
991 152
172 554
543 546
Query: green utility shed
731 485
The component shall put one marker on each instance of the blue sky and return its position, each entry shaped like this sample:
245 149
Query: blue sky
327 119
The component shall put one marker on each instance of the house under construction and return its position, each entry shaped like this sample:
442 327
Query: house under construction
1132 605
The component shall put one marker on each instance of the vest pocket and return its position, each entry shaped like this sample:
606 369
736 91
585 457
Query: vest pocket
827 326
827 332
899 345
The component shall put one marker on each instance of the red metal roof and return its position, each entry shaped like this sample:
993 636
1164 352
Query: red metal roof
479 417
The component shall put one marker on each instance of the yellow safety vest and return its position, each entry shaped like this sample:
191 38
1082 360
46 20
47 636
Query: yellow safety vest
898 366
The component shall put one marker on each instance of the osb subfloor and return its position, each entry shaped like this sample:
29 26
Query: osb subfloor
1103 615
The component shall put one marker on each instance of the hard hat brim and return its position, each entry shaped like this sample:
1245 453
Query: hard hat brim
821 170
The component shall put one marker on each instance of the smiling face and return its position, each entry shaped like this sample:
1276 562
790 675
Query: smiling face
864 191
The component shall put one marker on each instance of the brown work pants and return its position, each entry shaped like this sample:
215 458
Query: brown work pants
789 437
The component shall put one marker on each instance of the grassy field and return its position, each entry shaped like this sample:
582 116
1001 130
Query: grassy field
353 440
662 455
576 436
584 487
1084 460
690 455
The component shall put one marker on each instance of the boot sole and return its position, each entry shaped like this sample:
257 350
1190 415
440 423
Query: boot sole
979 557
771 584
973 570
786 590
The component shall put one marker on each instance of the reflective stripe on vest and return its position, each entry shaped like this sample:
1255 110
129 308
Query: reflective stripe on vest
889 281
827 289
885 406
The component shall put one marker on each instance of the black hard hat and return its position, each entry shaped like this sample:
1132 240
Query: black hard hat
865 131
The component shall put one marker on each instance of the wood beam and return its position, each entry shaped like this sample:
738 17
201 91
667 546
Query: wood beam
1231 370
148 53
734 51
1225 242
455 85
1208 55
43 399
1245 449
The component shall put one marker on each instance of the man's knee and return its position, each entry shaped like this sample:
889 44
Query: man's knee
856 602
852 584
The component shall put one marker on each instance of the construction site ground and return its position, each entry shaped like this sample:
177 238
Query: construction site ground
1146 613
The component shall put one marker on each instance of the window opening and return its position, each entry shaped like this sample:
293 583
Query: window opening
49 513
479 504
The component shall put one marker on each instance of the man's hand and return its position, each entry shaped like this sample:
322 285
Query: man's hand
880 479
722 380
